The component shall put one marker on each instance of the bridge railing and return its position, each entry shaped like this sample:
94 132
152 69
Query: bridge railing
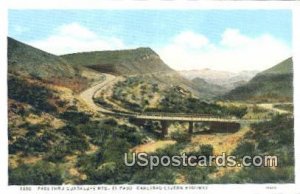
164 114
188 115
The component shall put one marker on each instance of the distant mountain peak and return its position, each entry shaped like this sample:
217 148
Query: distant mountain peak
272 85
226 79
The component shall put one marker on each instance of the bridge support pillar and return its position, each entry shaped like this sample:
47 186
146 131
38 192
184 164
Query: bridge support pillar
191 127
164 128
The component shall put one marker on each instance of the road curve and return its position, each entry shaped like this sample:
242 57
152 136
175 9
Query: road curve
88 95
270 106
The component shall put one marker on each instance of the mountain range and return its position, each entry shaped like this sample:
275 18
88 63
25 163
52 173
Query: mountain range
272 85
228 80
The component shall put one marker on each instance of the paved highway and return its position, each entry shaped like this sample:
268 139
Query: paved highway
88 96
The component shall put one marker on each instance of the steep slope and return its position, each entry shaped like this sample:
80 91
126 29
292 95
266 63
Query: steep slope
123 62
141 62
27 60
272 85
285 67
30 63
208 90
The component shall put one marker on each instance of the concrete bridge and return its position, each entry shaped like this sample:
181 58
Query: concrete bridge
166 118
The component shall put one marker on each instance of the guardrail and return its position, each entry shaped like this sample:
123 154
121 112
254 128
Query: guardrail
163 115
191 115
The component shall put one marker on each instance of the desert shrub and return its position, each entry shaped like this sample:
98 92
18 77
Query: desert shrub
198 175
235 110
78 143
109 128
49 136
114 149
277 133
33 127
75 117
203 150
105 173
36 95
176 102
17 146
245 148
159 175
206 150
273 137
107 164
170 150
41 173
132 106
70 130
130 134
180 136
28 145
259 175
68 145
57 153
88 162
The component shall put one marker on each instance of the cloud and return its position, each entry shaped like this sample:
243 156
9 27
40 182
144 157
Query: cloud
74 37
191 40
234 52
187 50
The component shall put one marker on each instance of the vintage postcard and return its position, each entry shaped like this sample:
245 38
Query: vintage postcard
137 99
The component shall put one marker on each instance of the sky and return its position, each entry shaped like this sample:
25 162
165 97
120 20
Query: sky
230 40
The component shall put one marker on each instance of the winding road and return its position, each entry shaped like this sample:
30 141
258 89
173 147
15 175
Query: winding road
271 107
88 97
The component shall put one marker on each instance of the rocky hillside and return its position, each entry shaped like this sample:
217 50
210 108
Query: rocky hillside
274 84
208 90
27 62
31 61
141 62
122 62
